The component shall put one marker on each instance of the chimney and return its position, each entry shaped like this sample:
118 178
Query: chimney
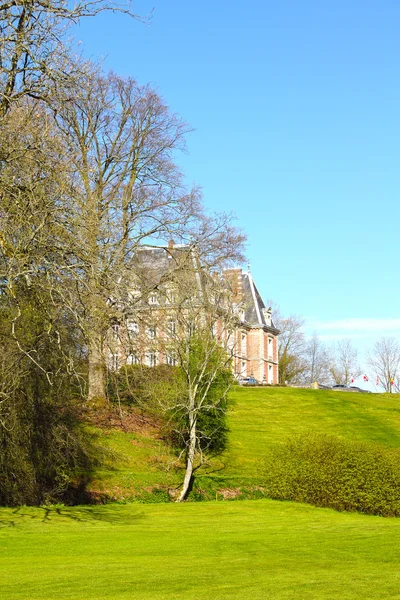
171 244
234 279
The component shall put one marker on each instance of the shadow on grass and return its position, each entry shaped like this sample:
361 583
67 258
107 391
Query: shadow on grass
112 514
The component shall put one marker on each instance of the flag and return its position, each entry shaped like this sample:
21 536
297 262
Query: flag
391 381
365 377
352 380
377 380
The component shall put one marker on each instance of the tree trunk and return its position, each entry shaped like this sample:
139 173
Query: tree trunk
189 458
97 378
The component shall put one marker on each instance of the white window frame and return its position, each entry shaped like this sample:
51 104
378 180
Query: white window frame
151 359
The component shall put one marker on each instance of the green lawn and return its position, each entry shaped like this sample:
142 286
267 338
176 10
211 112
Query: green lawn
254 550
258 418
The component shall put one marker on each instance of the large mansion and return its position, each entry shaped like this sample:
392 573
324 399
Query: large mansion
170 289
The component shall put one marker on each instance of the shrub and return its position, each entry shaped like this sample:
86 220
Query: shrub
330 472
46 455
158 391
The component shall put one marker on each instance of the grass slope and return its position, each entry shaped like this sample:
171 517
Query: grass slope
258 418
254 550
134 466
262 417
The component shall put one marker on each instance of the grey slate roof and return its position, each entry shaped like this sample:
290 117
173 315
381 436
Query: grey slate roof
153 263
253 304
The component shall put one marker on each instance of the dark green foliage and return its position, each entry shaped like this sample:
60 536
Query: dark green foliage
127 385
331 472
45 455
211 422
141 385
161 392
212 429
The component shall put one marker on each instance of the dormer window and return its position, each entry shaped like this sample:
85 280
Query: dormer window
267 315
153 298
170 296
134 294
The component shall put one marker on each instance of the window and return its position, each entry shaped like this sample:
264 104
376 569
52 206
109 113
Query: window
151 333
153 298
170 296
270 347
244 343
115 330
151 359
171 359
133 327
230 341
132 359
171 327
114 361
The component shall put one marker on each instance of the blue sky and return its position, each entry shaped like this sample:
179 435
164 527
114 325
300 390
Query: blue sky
295 110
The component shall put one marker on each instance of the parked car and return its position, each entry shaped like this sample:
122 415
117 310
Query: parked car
248 381
349 388
354 388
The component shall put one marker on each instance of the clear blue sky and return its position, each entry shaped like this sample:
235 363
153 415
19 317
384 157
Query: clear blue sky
295 106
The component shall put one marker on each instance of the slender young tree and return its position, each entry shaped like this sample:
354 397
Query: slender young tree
200 338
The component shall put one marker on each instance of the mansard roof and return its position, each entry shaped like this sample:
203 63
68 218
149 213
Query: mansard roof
254 307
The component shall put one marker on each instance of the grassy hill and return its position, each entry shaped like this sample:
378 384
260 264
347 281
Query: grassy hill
141 465
223 550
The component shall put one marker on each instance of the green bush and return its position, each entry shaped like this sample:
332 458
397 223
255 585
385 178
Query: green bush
142 385
331 472
158 391
46 456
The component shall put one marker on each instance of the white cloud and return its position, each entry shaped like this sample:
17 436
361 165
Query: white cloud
363 326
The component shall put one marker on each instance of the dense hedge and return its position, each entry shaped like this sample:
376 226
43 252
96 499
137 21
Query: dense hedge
330 472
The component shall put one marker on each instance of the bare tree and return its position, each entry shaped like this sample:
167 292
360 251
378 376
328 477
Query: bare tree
34 47
345 363
204 345
384 358
291 346
317 362
124 189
